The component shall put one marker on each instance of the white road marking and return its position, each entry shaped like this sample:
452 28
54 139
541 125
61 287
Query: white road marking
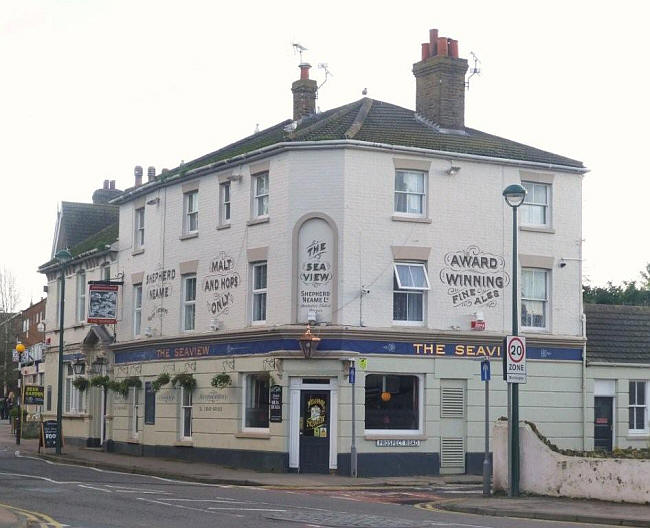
245 509
182 507
227 501
94 488
40 478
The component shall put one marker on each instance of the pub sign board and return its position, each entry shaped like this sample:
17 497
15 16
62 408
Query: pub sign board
49 433
34 395
275 405
103 303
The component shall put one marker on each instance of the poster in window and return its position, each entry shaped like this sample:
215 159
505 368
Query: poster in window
103 303
316 271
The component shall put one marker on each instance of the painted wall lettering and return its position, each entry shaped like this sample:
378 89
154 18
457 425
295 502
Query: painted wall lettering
220 284
474 278
315 270
456 350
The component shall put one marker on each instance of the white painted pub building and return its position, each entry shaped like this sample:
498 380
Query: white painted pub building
385 229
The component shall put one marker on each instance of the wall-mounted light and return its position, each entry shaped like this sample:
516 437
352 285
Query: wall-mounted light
78 367
308 343
148 332
453 170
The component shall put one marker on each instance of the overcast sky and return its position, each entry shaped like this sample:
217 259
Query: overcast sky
92 88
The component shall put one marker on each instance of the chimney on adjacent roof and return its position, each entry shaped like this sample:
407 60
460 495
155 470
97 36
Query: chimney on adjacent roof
151 173
304 94
440 82
106 193
137 172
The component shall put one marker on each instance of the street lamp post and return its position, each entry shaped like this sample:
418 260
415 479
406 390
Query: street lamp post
62 256
20 348
514 195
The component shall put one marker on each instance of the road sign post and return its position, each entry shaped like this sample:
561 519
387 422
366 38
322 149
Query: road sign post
485 376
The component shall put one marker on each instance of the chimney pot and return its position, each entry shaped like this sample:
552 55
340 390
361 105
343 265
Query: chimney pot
151 173
426 50
433 42
304 71
138 175
112 184
453 48
105 184
442 46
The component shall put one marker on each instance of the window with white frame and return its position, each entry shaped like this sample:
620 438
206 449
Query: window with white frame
224 203
259 292
393 403
191 212
535 209
139 228
74 398
410 195
134 412
256 401
534 298
261 195
638 407
410 282
137 309
81 296
185 414
106 272
188 312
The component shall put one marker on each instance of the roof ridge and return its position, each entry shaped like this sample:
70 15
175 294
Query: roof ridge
360 119
320 123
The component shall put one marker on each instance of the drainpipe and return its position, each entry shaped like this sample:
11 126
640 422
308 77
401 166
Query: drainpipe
584 384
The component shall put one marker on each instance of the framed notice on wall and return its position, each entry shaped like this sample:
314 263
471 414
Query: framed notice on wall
275 404
103 303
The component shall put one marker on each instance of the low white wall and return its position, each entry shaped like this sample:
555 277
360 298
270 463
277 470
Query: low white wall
545 472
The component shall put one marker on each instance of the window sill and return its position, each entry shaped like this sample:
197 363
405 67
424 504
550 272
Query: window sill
260 220
536 229
76 416
184 443
259 436
535 330
137 252
411 435
187 236
223 226
641 435
415 324
416 219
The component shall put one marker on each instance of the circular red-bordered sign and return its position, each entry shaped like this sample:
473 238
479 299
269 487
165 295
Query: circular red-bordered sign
522 347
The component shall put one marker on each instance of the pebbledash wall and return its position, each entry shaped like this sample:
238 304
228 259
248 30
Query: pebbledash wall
336 200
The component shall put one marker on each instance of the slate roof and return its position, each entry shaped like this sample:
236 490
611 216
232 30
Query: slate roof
372 121
618 334
79 221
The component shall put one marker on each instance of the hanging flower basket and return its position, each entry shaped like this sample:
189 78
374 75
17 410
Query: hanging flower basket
81 383
123 386
100 381
221 381
162 379
185 380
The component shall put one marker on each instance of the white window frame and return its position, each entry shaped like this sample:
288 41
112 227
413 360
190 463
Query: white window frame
183 410
422 195
546 301
406 289
257 292
74 398
134 412
645 405
225 200
138 231
137 310
187 303
245 388
80 308
400 432
261 198
106 272
190 212
530 203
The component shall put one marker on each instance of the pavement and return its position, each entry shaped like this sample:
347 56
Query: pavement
532 507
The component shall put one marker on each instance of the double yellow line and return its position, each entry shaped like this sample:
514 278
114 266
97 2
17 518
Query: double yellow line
34 518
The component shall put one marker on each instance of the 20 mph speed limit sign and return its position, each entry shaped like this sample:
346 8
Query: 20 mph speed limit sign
515 359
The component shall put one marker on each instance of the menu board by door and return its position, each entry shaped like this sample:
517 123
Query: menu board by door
49 432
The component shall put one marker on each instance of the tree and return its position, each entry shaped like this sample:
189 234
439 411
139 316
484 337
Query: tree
9 296
9 299
628 293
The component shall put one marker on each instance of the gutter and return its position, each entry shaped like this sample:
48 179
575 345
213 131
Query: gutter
335 143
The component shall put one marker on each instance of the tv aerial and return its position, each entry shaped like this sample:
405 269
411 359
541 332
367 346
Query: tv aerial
298 48
323 66
476 70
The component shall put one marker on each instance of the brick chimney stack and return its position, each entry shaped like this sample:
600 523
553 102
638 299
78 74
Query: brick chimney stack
304 94
440 82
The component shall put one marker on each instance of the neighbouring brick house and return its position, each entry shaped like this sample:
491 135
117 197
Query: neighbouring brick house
32 335
386 230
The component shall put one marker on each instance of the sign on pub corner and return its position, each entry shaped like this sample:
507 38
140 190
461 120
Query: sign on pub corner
514 360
